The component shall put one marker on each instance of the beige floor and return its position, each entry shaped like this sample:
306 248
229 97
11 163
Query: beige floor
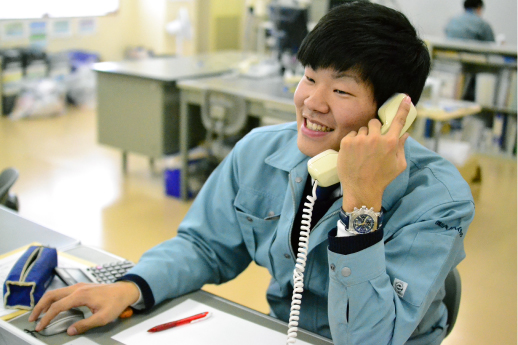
71 184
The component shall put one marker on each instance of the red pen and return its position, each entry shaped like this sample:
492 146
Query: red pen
187 320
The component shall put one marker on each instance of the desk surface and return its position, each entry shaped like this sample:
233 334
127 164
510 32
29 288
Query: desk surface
471 45
103 335
170 69
270 91
11 333
447 109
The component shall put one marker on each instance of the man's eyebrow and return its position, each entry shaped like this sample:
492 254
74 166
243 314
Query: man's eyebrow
343 75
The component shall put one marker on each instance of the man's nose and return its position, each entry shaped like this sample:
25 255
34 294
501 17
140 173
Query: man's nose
316 101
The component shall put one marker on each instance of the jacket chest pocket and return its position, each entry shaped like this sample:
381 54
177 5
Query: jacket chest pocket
258 215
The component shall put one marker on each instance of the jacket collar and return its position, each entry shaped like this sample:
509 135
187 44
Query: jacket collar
289 157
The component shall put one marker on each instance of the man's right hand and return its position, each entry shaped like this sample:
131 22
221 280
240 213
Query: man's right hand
105 301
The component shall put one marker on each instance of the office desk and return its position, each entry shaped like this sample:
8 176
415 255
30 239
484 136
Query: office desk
266 97
11 333
138 102
445 110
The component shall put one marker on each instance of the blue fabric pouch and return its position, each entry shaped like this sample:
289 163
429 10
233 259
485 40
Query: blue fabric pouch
30 277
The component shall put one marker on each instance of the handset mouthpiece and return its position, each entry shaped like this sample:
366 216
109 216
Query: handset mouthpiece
322 168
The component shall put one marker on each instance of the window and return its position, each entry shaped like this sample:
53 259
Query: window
37 9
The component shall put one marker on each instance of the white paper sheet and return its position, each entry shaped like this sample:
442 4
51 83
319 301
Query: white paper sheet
220 328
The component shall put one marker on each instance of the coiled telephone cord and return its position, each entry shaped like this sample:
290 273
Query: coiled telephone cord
298 272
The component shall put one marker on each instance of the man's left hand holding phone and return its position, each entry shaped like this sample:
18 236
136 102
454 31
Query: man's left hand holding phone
105 301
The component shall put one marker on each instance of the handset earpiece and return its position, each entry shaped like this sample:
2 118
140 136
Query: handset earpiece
388 111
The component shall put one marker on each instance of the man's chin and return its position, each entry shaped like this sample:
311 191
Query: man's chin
307 149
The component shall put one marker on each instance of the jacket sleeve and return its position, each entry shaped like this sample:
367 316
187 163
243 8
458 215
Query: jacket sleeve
487 33
209 247
399 276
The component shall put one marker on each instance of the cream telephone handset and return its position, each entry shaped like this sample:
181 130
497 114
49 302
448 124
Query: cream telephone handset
322 168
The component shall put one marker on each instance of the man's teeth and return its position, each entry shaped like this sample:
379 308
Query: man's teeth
317 127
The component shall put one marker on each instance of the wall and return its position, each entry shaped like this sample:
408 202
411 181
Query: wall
137 23
226 18
114 34
150 25
142 23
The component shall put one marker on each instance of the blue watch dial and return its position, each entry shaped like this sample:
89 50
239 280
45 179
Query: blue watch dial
363 223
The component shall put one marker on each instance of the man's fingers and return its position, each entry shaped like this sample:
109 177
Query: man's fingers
51 313
106 302
98 319
48 299
57 301
402 113
401 144
374 126
56 308
363 131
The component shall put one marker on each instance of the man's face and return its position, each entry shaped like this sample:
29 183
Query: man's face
329 105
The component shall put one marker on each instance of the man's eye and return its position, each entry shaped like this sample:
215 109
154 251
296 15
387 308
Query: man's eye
309 79
340 92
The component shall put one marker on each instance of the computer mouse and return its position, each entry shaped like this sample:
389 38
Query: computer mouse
62 321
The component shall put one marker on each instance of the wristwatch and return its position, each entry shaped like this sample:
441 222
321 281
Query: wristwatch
361 221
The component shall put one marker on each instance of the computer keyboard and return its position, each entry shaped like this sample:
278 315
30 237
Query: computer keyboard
107 273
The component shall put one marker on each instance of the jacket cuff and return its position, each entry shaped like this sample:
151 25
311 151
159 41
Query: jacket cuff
145 290
353 244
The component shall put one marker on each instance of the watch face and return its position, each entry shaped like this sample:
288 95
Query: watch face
363 223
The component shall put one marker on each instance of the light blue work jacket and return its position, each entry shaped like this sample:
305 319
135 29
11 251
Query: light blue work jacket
246 210
469 26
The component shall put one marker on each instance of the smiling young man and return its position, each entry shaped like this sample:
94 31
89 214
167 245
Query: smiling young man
381 286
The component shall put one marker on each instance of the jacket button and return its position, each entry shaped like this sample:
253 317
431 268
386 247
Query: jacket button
298 179
332 267
287 256
346 271
249 219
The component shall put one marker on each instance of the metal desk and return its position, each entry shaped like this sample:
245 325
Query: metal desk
263 97
11 332
138 102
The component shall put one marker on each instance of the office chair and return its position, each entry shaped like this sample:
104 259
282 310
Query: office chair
452 297
223 115
7 178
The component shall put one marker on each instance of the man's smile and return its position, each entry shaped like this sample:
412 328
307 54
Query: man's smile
317 127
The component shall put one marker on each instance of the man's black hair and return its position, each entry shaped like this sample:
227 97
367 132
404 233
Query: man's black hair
377 42
473 4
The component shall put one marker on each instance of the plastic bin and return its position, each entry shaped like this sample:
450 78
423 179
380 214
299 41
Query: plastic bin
12 77
200 167
34 62
59 66
80 58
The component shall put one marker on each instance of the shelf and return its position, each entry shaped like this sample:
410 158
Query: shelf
470 46
458 63
499 110
500 155
478 63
